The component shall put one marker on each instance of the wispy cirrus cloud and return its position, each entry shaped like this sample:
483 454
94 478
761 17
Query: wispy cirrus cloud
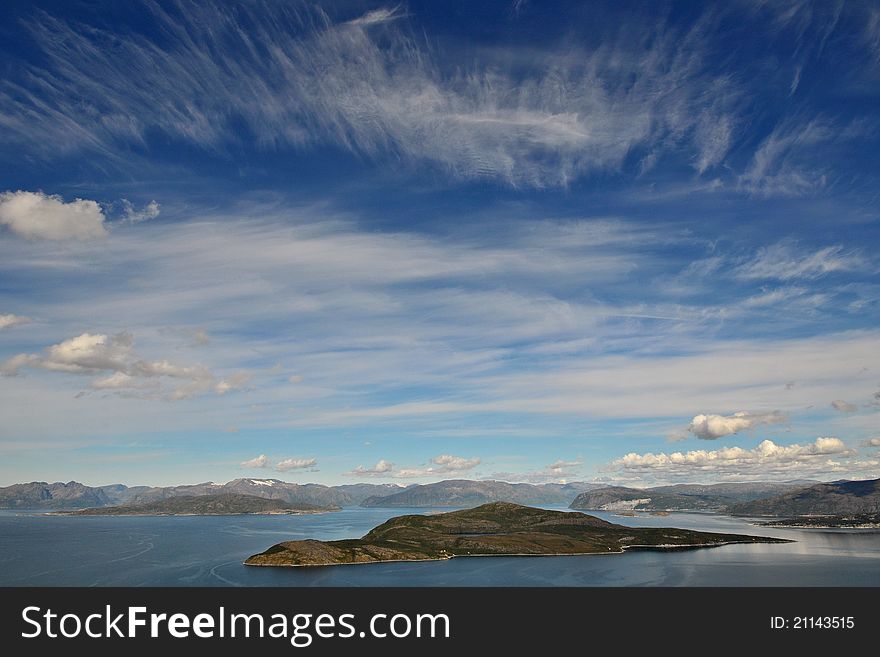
871 33
377 17
784 164
297 76
786 261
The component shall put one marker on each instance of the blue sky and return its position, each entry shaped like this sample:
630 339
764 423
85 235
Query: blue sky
625 241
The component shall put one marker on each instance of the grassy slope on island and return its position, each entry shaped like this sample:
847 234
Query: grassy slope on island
499 528
225 504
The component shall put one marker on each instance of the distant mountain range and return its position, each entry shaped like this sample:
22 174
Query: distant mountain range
468 493
835 498
681 497
40 495
73 495
204 505
782 499
452 493
273 489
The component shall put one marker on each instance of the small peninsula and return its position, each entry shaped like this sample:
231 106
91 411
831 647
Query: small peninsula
846 521
495 529
205 505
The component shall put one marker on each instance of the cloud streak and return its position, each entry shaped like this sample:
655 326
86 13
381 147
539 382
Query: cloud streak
489 327
784 261
10 320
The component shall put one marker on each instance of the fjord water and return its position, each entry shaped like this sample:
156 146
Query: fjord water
44 550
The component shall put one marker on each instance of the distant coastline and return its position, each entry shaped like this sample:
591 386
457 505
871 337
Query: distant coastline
131 512
848 521
205 505
622 550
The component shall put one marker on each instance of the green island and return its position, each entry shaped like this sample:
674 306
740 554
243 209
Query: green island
845 521
204 505
495 529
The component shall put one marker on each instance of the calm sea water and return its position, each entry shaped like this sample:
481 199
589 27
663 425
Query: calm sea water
43 550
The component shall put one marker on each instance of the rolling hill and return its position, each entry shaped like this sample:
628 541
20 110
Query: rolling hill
835 498
680 497
42 495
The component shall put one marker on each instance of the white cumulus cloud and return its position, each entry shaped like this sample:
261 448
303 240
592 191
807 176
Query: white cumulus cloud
286 465
454 463
260 461
118 367
35 215
712 427
442 465
382 468
825 455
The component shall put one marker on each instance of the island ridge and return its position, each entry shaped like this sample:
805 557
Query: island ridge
496 529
